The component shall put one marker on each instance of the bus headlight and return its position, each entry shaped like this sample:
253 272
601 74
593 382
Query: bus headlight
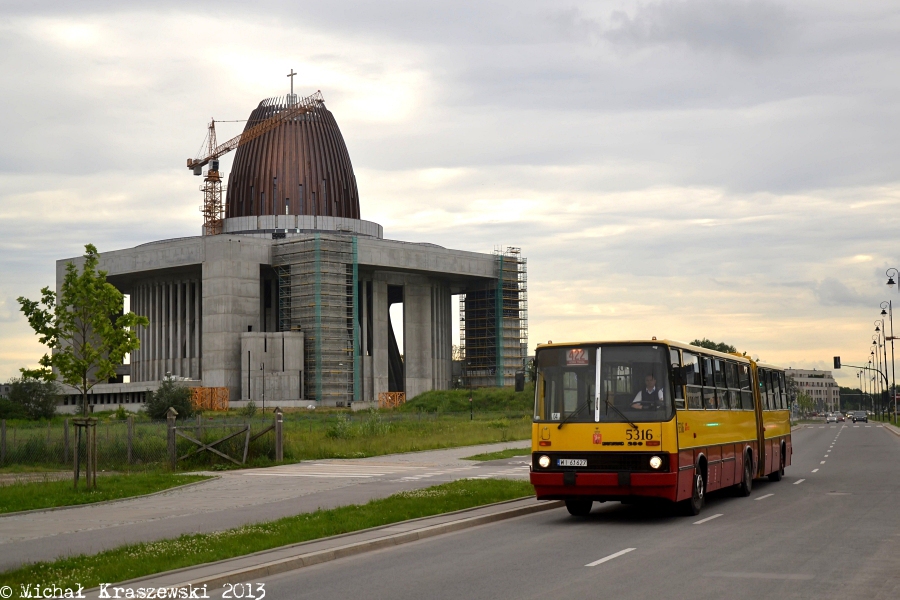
544 461
655 462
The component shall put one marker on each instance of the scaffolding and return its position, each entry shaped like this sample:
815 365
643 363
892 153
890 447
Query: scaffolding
317 282
493 324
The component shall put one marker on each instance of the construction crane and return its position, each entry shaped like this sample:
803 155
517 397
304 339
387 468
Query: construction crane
212 208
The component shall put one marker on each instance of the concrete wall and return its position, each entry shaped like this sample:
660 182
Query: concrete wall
281 354
231 290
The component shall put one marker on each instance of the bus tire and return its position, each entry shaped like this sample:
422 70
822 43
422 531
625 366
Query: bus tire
777 475
694 505
746 485
579 507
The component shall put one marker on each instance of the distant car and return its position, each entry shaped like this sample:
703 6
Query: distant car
840 417
860 415
830 418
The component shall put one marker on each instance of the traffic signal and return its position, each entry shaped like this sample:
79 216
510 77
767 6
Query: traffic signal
837 362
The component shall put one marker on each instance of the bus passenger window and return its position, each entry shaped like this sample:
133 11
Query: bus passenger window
746 390
675 360
709 384
776 390
692 378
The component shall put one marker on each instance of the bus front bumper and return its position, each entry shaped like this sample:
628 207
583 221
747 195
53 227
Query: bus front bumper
557 486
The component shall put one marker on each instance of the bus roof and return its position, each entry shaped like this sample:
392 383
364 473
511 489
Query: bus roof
672 343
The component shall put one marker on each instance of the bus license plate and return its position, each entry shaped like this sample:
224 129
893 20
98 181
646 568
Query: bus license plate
572 462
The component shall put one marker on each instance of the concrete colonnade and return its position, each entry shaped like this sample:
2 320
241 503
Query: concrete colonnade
172 341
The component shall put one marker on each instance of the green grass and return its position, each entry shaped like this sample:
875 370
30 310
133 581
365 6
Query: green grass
136 560
508 453
483 400
48 494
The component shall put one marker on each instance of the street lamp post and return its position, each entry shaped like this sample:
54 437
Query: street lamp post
887 310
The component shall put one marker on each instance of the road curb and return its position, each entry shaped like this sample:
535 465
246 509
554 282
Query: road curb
892 429
70 506
269 568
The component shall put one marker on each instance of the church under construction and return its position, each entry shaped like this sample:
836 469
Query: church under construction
286 295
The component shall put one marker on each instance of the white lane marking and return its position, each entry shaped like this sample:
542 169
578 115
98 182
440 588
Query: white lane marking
856 426
610 557
814 470
867 426
766 496
826 456
799 481
822 427
821 462
707 519
880 426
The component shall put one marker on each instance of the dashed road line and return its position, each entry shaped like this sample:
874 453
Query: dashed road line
814 470
799 481
610 557
707 519
764 497
821 462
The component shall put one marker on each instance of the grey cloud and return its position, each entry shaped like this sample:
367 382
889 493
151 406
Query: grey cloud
742 27
832 292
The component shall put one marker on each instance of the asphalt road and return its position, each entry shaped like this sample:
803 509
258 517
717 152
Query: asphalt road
829 529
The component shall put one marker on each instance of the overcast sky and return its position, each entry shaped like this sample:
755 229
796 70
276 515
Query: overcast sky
679 169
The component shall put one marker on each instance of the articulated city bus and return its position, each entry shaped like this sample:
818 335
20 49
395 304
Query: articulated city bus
629 419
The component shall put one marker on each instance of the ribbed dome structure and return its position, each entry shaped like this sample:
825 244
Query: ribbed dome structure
300 168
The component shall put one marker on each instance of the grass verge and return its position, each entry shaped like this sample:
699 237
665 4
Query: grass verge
508 453
50 494
136 560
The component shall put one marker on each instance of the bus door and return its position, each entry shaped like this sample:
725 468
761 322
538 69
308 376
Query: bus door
760 396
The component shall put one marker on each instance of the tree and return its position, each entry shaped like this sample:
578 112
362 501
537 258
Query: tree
806 403
718 346
84 328
170 393
37 398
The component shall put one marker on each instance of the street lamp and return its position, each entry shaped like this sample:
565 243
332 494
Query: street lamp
891 273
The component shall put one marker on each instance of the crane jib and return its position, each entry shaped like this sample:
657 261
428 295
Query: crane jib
304 105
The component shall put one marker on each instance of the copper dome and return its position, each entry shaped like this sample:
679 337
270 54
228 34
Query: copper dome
300 168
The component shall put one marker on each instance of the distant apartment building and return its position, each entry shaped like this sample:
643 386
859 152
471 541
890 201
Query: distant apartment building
818 385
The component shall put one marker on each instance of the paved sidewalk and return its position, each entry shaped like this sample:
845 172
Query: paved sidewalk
241 497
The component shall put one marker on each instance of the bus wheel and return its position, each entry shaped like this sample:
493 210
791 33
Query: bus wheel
777 475
579 507
746 484
693 506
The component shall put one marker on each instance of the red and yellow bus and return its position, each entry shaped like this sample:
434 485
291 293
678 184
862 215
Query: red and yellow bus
654 418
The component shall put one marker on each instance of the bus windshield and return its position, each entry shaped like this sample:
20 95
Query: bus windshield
634 384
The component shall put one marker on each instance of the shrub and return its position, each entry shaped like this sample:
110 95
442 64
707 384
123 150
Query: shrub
374 425
11 410
170 393
248 410
340 429
121 413
37 398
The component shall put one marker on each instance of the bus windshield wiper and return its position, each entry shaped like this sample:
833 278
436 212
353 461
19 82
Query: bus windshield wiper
613 406
572 414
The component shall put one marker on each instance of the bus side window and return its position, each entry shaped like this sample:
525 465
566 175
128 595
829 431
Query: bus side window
784 392
765 382
779 393
731 380
746 390
709 384
675 359
692 378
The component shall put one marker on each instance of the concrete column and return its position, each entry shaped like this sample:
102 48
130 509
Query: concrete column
198 328
179 331
417 340
379 337
170 346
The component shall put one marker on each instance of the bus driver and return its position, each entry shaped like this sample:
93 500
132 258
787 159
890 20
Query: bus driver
649 398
